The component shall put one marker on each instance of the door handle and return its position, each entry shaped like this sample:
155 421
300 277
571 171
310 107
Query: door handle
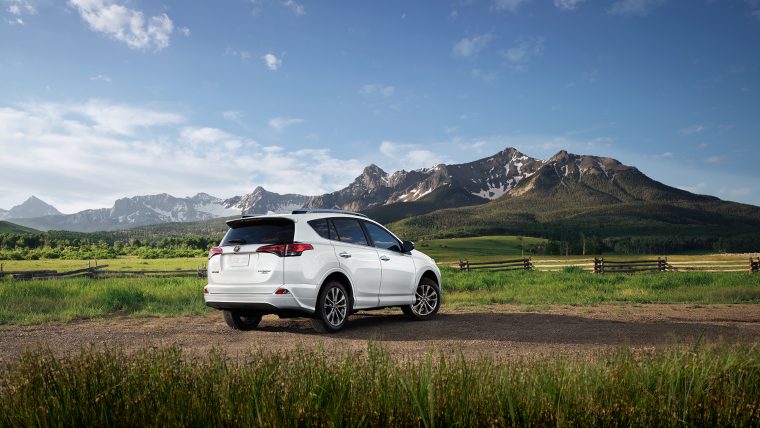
384 258
344 254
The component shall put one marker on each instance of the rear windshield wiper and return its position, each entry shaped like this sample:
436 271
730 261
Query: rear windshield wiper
236 241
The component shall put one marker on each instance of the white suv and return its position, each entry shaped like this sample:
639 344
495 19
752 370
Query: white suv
323 264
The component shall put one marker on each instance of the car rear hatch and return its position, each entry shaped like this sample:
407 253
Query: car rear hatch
240 266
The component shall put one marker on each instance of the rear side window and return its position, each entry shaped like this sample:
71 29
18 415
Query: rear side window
349 231
265 231
321 227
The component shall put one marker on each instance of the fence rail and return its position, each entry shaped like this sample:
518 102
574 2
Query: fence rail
601 265
501 265
99 272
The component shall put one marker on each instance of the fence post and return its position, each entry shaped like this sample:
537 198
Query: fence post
660 265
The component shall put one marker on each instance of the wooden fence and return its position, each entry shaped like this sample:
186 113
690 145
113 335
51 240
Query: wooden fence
630 266
515 264
99 272
601 265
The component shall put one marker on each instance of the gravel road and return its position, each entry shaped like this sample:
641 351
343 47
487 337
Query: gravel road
503 331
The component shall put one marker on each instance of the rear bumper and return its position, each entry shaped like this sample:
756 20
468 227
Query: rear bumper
266 303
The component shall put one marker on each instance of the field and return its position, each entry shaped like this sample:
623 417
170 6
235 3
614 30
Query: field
508 348
66 299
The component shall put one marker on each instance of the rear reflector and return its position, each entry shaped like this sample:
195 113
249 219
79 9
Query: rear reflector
285 250
214 251
282 291
205 290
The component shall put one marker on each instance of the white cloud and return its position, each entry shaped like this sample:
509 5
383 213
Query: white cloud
243 55
184 31
101 78
232 115
294 6
124 24
17 9
715 159
567 4
486 76
82 164
693 129
203 135
272 62
105 117
280 123
634 7
377 89
508 5
469 47
410 156
524 51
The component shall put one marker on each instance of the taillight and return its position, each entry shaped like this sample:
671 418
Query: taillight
214 251
285 250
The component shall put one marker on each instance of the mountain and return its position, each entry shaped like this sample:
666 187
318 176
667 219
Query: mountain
163 208
456 185
32 207
261 201
597 196
136 211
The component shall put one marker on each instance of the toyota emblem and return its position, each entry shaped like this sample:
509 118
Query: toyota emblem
236 249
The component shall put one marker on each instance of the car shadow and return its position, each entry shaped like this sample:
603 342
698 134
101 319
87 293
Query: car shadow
522 327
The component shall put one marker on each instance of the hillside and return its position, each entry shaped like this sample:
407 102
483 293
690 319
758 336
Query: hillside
7 227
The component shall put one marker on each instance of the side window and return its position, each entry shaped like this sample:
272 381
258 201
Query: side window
382 238
320 226
349 231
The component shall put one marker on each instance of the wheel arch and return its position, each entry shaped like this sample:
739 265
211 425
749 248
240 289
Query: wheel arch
341 277
429 274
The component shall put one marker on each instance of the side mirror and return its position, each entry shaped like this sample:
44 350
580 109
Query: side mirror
407 246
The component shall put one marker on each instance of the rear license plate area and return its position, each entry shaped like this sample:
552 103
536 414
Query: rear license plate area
239 260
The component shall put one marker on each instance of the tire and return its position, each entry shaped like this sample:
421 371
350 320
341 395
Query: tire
427 301
333 308
242 320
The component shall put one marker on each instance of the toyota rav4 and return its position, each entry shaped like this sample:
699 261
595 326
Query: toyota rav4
322 264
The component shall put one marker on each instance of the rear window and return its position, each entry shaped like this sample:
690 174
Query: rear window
266 231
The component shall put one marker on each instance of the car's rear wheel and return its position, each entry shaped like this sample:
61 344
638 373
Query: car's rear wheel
333 307
242 320
427 300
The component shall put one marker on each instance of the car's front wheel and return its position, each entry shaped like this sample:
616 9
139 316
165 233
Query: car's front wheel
333 307
427 300
242 320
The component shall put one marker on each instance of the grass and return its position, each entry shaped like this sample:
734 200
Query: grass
121 263
574 287
32 302
160 387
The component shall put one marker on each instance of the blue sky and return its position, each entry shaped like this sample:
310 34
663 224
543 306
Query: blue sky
101 99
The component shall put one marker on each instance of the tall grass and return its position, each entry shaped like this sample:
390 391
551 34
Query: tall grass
160 387
30 302
573 287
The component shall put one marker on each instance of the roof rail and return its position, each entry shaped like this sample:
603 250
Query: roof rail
326 210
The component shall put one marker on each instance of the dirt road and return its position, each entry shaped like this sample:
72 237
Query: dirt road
503 331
